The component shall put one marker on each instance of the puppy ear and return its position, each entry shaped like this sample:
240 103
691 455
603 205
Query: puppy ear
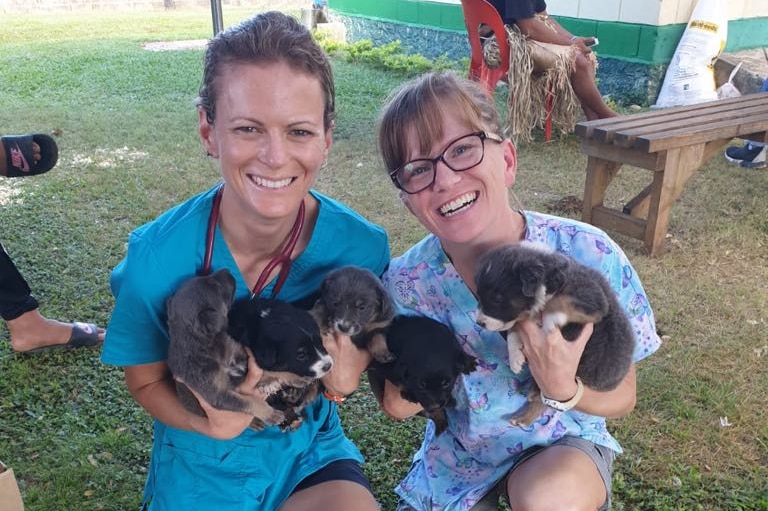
555 279
400 372
386 307
531 277
467 364
209 321
265 356
238 316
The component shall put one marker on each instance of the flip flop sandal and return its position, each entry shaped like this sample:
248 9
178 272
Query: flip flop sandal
19 156
83 335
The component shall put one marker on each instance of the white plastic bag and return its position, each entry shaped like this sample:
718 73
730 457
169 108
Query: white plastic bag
690 76
728 89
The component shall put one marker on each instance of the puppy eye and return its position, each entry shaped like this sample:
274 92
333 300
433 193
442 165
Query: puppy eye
496 298
362 307
445 384
302 356
422 384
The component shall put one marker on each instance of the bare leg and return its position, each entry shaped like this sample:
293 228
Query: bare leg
32 330
337 495
583 81
556 475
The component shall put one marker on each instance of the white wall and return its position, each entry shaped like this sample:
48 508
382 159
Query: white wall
648 12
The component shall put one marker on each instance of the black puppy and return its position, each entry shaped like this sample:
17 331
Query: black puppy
526 280
201 355
428 361
354 302
285 342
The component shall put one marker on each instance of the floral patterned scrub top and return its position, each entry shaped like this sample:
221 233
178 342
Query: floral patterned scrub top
454 470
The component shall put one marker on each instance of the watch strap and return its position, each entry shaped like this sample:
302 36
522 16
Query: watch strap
564 406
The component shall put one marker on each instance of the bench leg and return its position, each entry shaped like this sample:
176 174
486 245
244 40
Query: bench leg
600 173
666 187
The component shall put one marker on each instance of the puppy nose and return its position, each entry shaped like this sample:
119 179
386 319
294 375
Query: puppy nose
343 327
481 322
327 366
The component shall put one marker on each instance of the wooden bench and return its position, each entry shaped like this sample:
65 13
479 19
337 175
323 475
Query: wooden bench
673 144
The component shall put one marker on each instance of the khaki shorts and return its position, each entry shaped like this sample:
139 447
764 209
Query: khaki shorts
600 455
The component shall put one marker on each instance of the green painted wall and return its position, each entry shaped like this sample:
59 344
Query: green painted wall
626 41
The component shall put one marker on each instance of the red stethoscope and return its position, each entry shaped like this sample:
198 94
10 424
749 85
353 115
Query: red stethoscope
283 259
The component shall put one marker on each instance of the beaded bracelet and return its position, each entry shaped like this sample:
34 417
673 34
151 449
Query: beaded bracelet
333 397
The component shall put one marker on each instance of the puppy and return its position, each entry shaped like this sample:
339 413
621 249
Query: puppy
201 354
286 344
354 302
428 361
526 280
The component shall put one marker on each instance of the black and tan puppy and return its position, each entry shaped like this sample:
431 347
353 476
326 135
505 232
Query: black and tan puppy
529 281
428 361
201 354
286 343
353 302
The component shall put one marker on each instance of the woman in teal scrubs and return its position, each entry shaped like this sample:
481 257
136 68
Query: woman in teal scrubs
266 114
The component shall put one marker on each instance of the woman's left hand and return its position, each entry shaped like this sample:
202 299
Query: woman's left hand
349 362
553 361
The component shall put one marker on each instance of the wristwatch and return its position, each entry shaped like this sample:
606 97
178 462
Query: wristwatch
564 406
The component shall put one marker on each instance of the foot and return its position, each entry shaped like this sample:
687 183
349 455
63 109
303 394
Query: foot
750 155
27 155
3 158
32 330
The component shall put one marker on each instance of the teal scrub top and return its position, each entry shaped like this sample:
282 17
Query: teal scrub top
258 469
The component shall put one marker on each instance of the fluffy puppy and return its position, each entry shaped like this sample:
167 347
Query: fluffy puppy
286 344
527 280
428 361
354 302
201 354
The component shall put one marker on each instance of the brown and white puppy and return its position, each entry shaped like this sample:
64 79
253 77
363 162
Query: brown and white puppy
428 361
530 281
353 302
201 354
286 343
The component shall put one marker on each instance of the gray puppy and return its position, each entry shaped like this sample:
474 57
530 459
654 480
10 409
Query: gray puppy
530 281
201 354
353 302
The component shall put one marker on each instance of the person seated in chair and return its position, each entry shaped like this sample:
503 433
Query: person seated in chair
531 18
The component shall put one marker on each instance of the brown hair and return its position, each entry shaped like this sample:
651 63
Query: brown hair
266 38
419 106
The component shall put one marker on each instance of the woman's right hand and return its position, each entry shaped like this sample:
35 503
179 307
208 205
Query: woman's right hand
219 424
225 424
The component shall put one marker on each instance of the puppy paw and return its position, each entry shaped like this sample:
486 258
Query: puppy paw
516 356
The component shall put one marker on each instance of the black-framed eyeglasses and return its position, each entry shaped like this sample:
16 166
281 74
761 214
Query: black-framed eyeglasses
459 155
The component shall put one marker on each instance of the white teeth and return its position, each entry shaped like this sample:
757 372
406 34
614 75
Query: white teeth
266 183
455 205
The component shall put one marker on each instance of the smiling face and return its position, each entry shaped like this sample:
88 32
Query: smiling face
461 206
268 135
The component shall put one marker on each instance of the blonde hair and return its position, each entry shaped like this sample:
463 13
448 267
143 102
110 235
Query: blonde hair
419 107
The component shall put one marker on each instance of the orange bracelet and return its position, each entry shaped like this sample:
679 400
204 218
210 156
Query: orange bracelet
334 397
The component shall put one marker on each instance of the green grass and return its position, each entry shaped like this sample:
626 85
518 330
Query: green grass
126 125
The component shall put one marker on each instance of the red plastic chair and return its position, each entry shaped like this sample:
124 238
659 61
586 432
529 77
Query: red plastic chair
477 12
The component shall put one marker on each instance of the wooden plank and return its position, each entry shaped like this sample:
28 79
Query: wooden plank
654 142
600 173
638 205
665 189
627 137
588 129
630 156
611 219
